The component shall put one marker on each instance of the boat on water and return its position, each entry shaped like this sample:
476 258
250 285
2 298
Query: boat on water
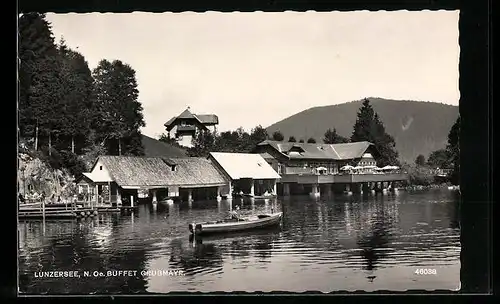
230 225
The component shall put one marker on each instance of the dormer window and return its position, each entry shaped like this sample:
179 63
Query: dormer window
173 167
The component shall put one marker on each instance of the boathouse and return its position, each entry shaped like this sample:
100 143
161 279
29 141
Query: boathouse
314 168
248 173
117 179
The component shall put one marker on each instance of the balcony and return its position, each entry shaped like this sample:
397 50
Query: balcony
310 176
297 170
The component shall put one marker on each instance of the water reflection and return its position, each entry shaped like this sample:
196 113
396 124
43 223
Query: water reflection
333 243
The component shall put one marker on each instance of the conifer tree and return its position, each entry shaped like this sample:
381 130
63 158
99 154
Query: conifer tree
369 127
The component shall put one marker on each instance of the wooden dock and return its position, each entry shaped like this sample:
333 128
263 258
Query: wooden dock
59 211
128 209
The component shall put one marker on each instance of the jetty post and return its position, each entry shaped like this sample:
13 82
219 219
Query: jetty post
109 193
43 210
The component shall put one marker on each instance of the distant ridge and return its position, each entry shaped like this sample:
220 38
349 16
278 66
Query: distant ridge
156 148
419 127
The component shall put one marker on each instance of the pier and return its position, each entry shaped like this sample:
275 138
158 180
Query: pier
317 169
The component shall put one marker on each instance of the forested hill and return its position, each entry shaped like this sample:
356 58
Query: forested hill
417 127
155 148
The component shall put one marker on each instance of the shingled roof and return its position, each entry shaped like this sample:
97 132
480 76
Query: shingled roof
194 171
156 172
345 151
206 119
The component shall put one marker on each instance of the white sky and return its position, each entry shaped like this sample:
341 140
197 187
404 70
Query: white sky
258 68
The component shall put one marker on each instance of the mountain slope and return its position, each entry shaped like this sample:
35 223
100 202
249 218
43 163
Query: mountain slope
418 127
156 148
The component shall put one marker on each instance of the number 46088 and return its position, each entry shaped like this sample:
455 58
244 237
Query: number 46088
426 271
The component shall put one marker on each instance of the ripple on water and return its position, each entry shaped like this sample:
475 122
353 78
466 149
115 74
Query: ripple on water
330 245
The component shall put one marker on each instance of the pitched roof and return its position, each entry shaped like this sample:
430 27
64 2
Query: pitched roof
186 114
137 171
156 148
208 118
344 151
194 171
266 155
133 171
201 118
244 165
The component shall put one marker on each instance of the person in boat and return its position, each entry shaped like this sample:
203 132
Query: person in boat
233 214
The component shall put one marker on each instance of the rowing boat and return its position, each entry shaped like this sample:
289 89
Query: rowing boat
230 225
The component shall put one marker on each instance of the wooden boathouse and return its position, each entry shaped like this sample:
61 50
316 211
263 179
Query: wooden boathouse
117 180
247 173
317 168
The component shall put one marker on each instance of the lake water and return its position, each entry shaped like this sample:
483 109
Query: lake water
340 243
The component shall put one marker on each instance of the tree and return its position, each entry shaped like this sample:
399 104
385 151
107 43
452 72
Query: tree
311 140
420 160
438 159
369 127
292 139
78 99
278 136
231 141
301 141
249 142
203 144
258 134
39 79
332 137
453 150
118 111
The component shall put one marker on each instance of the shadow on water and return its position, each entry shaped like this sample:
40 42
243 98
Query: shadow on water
258 243
194 259
357 236
81 246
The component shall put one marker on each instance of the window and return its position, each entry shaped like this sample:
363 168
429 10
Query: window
100 168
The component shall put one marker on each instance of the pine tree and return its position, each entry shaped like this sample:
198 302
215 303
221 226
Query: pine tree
78 99
292 139
369 127
40 79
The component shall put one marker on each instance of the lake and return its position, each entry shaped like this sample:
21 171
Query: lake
393 242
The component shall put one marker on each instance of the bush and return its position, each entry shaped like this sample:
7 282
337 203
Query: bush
421 176
72 162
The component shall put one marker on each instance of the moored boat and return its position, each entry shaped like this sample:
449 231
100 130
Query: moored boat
230 225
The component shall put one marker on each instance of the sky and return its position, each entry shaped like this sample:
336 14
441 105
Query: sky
258 68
